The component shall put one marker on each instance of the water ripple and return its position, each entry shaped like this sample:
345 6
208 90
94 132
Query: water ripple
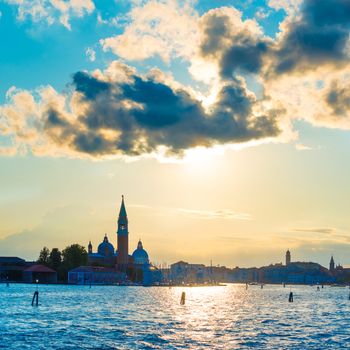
231 317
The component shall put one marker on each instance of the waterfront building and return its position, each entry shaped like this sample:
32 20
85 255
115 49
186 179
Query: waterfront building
183 272
295 272
11 268
244 275
14 269
94 275
136 267
106 254
140 256
288 257
144 271
40 273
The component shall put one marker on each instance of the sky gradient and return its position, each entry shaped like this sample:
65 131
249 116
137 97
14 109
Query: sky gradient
224 123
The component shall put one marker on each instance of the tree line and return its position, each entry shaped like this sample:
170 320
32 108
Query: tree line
71 257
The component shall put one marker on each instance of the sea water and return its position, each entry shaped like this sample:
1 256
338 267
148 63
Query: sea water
223 317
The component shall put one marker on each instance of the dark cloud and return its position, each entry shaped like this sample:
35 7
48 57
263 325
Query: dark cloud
237 49
319 36
139 116
216 27
338 99
247 56
89 86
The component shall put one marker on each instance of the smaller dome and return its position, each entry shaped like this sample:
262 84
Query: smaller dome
105 248
140 256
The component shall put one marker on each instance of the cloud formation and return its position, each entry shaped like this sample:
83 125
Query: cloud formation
337 98
319 35
290 6
52 11
238 46
122 113
164 28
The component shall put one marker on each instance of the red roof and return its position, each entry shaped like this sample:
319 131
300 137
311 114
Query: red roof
39 268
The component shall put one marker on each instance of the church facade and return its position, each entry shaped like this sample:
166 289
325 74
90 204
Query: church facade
136 266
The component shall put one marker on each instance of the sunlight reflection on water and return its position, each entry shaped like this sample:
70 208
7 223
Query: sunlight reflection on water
230 317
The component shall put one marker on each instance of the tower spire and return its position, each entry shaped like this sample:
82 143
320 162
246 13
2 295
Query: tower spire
122 211
331 264
123 238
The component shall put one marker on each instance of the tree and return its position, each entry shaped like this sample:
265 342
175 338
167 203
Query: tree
44 256
55 259
73 256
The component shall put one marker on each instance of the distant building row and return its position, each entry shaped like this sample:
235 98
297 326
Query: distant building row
15 269
290 273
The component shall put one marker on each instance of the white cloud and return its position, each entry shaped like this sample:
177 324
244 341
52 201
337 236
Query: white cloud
52 11
90 54
302 147
305 97
117 21
290 6
159 27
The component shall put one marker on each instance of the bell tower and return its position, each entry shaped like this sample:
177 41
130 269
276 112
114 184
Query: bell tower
288 257
123 238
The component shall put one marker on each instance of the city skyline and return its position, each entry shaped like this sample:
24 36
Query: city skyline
225 125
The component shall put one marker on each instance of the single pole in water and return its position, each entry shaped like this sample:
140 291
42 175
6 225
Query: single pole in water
183 298
284 285
246 286
35 299
290 297
262 286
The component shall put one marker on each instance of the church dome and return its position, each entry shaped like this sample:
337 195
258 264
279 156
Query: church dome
140 255
105 248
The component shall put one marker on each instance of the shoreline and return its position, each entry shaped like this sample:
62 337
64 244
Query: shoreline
194 285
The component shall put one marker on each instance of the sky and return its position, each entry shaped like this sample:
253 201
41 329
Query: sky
225 124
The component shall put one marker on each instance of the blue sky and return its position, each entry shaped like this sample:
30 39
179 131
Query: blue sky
30 50
197 111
